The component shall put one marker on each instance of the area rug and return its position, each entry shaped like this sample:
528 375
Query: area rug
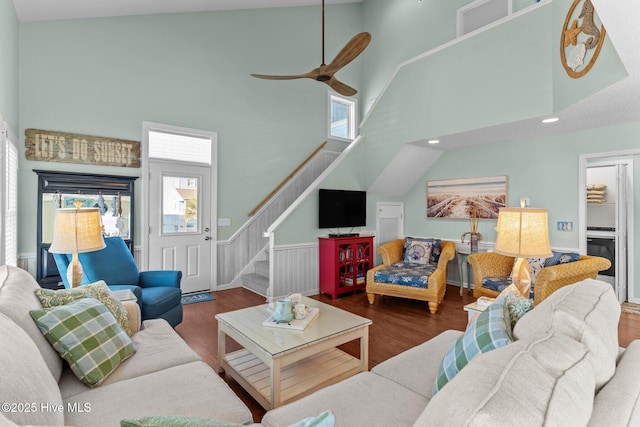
197 297
628 307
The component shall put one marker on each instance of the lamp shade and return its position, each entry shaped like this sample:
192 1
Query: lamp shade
77 231
523 232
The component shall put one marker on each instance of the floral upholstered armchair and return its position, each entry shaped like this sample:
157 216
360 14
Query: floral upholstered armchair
413 268
491 272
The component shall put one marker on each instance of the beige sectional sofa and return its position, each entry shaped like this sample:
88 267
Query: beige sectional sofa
164 376
563 369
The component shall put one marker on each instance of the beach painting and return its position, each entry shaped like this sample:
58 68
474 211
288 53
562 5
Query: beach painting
466 198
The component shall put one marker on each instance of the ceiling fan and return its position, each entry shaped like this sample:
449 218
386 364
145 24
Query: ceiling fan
325 73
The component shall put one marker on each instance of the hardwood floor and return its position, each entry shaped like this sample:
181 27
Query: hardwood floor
398 324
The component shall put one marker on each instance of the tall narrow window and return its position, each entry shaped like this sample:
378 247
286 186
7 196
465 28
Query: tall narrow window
342 118
9 196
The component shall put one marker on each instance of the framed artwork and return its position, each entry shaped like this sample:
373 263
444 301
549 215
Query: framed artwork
465 198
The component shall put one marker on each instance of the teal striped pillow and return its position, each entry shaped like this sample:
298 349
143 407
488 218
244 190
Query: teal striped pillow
491 330
87 336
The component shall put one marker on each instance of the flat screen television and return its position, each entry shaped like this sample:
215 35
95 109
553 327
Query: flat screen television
342 208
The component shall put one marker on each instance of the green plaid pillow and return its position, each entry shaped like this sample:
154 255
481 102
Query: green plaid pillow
98 290
491 330
87 336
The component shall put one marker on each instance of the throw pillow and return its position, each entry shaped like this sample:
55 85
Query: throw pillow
174 421
87 336
536 265
98 290
491 330
421 251
325 419
561 258
517 305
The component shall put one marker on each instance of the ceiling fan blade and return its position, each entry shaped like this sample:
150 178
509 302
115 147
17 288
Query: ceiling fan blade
349 52
340 87
298 76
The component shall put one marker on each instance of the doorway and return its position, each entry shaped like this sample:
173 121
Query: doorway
389 224
179 213
606 217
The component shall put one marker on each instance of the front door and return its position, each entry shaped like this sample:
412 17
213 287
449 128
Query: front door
180 236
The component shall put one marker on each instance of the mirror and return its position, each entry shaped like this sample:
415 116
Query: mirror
115 208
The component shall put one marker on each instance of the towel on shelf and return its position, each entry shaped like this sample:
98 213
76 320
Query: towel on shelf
596 187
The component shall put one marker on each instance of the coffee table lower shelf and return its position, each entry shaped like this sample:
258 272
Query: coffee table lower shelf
297 380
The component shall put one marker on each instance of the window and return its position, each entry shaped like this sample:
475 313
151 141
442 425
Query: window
179 147
9 196
342 117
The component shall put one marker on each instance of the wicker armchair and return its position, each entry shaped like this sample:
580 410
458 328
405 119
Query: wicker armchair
391 253
549 279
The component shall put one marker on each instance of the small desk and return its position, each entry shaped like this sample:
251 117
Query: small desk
463 258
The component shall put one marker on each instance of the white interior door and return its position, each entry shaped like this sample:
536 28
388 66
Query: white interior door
180 222
389 223
621 278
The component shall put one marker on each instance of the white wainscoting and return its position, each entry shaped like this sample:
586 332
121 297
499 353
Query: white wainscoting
28 262
295 269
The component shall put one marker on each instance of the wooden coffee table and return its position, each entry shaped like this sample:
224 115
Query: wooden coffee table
278 365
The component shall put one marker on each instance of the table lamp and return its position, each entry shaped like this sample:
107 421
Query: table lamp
523 233
76 231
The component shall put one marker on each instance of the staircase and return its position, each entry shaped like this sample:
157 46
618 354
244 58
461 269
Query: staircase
250 244
258 281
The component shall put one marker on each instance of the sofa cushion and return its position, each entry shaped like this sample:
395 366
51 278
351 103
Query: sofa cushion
497 284
402 369
618 402
98 290
542 381
157 346
193 390
87 336
421 250
365 399
587 311
16 299
26 380
407 274
491 330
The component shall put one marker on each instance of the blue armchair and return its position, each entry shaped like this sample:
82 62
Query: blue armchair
158 292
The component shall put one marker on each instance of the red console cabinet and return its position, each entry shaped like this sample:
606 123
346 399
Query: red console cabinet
344 262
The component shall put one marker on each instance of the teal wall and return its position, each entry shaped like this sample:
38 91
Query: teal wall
105 76
9 64
403 29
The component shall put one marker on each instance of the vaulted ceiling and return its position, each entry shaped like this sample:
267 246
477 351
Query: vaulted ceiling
43 10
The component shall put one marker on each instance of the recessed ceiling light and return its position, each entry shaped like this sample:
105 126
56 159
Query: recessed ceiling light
550 120
433 141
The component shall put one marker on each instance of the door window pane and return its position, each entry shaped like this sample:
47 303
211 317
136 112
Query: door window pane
179 204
